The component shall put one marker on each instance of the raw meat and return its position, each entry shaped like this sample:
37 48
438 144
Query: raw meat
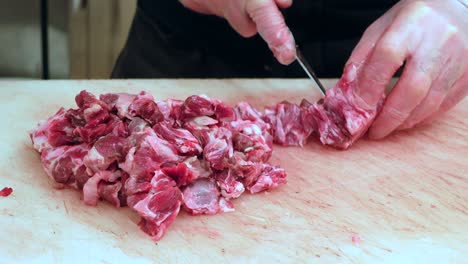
158 156
6 191
337 119
198 154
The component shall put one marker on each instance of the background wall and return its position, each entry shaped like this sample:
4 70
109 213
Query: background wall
85 37
98 31
20 51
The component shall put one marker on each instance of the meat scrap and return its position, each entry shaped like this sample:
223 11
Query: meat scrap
6 191
158 157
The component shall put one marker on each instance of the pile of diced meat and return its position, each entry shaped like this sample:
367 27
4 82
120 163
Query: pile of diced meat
157 156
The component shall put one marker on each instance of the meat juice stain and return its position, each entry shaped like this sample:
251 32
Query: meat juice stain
356 239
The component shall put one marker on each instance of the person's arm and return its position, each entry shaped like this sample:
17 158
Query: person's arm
249 17
430 37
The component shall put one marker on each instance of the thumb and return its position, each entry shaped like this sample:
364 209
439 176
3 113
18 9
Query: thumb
272 28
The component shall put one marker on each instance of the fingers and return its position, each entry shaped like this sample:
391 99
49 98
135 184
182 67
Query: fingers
284 3
410 90
449 72
396 44
369 39
456 94
197 7
271 26
422 71
239 20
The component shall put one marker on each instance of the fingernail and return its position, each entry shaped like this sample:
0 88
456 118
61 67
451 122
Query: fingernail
285 53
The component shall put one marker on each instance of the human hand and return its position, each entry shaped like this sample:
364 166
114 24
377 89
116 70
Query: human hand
249 17
431 38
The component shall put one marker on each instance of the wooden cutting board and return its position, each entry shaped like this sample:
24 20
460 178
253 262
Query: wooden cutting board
402 199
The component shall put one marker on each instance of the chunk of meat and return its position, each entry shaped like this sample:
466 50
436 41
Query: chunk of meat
230 187
171 110
6 191
339 120
253 139
92 190
137 125
219 148
188 171
223 112
198 105
270 177
247 170
65 164
182 139
202 197
245 111
106 150
160 206
53 132
287 124
145 107
120 102
151 153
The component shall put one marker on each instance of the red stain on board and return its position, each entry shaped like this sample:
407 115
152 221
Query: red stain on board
356 239
6 191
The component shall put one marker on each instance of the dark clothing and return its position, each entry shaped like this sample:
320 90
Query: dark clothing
168 40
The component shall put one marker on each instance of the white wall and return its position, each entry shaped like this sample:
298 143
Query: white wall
20 48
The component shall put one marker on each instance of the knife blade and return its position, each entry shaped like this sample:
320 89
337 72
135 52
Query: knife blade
308 70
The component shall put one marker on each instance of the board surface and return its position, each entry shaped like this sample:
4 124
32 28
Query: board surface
402 199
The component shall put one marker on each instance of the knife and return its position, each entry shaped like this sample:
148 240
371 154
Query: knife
308 70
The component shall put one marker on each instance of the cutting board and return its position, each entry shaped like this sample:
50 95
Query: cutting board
402 199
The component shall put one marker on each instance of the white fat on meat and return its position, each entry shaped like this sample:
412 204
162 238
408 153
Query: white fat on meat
90 189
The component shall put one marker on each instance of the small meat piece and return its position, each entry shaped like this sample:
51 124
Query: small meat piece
253 139
200 128
6 191
159 207
270 177
245 111
182 139
90 133
287 126
106 150
198 105
53 132
97 117
145 107
120 102
188 171
247 170
230 187
171 110
137 125
339 119
202 197
224 113
65 164
137 184
110 192
219 148
152 152
92 188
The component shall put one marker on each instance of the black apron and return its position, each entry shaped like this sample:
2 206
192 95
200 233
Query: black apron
167 40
